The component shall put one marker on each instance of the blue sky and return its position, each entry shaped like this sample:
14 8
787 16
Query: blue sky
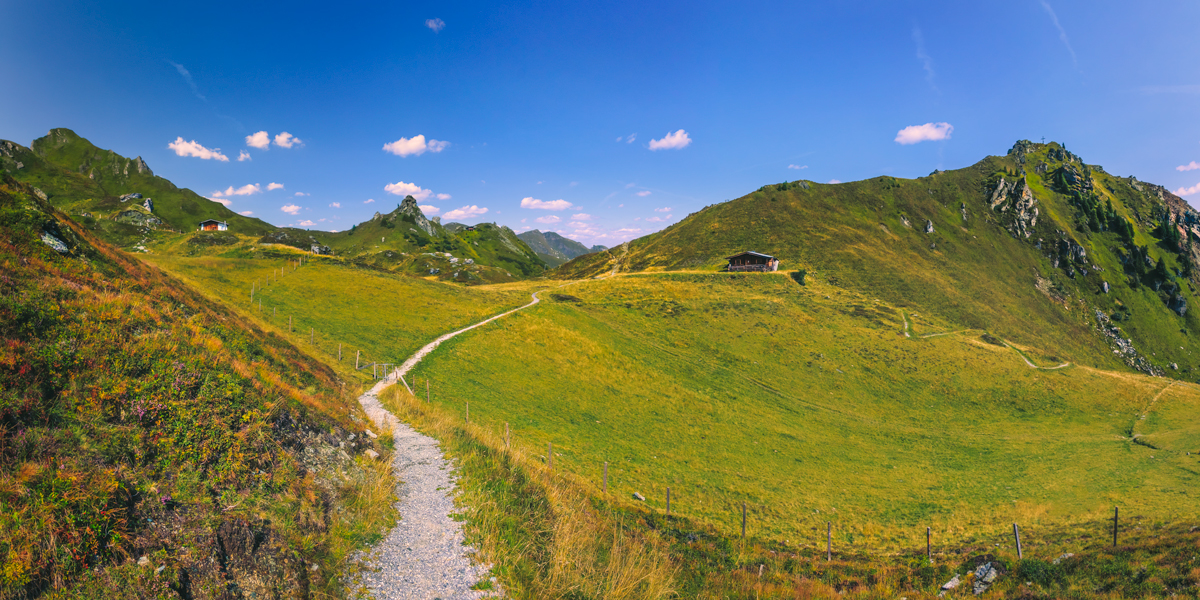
603 121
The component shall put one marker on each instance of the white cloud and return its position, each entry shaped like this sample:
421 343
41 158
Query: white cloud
627 230
246 213
620 206
290 209
443 196
659 219
306 223
644 193
579 224
548 219
435 24
221 201
834 181
560 204
926 60
582 217
924 133
243 155
183 72
401 188
245 190
429 209
368 200
797 167
287 140
274 186
1192 166
259 140
663 209
1062 33
671 141
415 146
301 194
466 212
1188 191
629 140
191 148
335 205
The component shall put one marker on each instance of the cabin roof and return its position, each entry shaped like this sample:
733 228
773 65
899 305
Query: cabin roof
210 221
749 253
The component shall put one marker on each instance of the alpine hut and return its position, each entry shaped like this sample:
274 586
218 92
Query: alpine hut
213 225
752 261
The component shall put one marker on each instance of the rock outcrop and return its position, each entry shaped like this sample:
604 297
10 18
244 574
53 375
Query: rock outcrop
1019 198
409 210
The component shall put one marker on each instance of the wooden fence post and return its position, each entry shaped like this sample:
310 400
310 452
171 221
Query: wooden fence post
374 371
743 521
928 546
606 477
829 541
1017 537
427 390
668 501
357 355
312 335
289 324
1116 518
339 353
468 403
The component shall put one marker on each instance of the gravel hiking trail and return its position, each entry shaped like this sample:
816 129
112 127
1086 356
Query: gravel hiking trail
423 556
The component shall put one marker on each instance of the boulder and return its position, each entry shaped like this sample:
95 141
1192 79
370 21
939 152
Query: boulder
55 243
371 454
639 497
1104 286
928 226
148 204
133 196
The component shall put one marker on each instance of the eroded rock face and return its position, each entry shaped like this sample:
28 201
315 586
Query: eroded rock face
1020 199
140 219
410 209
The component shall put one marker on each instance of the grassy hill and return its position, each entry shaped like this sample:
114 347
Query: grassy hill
88 183
553 248
1032 269
155 444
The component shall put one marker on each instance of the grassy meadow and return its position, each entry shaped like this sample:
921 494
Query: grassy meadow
811 405
386 316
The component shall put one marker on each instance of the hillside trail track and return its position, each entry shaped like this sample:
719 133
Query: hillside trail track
424 555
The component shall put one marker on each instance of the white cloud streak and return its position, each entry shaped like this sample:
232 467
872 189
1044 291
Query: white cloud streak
644 193
443 196
534 203
1192 166
245 190
187 76
335 205
1188 191
465 212
243 156
926 61
429 209
415 146
548 219
435 24
663 209
191 148
401 188
290 209
672 141
924 133
274 186
246 213
797 167
1062 33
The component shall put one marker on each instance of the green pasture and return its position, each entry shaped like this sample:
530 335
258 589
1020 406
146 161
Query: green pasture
809 404
385 316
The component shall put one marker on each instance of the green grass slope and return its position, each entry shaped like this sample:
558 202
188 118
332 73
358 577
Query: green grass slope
977 268
810 404
140 422
80 178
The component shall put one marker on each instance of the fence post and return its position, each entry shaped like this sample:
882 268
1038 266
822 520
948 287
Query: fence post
829 541
928 546
289 324
668 501
339 353
549 455
468 404
357 355
1017 536
1116 518
606 477
312 335
374 370
427 390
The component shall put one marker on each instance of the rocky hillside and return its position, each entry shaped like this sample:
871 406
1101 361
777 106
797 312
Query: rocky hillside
118 198
405 240
553 248
154 445
1035 244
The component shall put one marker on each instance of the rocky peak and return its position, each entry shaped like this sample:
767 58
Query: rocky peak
408 208
142 167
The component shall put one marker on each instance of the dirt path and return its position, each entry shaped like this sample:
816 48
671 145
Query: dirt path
423 556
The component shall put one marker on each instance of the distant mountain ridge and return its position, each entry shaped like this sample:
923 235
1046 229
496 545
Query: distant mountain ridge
555 249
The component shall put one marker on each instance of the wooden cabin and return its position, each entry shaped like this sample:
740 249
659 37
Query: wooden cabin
752 261
213 225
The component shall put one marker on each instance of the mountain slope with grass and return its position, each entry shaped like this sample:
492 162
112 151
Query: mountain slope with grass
91 185
153 444
554 248
1036 245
